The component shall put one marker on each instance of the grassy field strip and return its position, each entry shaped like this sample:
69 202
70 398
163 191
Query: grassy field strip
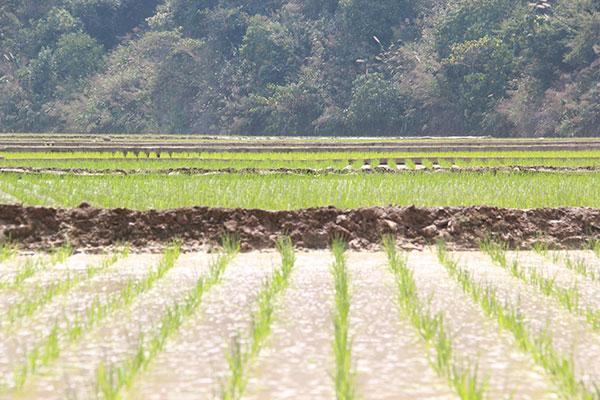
277 191
43 286
574 295
40 342
6 198
476 341
242 353
225 311
298 362
33 192
149 164
558 341
392 361
312 155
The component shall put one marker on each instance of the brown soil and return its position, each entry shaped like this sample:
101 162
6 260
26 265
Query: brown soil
283 170
93 229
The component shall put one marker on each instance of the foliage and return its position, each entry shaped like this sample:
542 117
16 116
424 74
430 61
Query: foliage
383 67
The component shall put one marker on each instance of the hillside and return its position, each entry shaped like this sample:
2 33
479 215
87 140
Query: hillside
301 67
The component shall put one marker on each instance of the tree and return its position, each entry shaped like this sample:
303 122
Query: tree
268 48
476 77
376 106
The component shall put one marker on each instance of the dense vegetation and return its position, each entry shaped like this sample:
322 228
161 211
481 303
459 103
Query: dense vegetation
356 67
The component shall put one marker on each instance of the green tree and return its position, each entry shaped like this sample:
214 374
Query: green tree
376 106
268 48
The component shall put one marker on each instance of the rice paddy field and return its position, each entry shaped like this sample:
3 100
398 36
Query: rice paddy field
286 324
296 191
422 270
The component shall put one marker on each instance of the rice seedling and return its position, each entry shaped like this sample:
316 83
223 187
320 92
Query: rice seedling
508 317
594 245
25 272
60 254
239 357
569 297
45 295
112 379
431 328
7 251
49 348
342 346
577 265
285 191
31 267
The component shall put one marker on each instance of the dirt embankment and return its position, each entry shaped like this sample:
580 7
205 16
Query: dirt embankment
92 228
296 171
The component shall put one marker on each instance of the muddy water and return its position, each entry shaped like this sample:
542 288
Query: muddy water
571 335
10 268
297 362
193 365
16 341
390 358
74 373
46 277
477 341
562 276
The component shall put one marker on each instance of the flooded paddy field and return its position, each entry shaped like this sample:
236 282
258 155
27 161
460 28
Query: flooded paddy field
301 324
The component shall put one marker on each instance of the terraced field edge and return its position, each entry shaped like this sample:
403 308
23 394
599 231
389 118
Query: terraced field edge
93 229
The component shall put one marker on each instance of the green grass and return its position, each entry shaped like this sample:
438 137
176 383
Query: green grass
344 376
279 192
559 367
240 357
431 328
63 334
112 379
104 160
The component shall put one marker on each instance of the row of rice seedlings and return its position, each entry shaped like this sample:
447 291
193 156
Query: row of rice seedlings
540 346
240 357
344 376
431 328
31 267
45 295
594 245
49 348
567 297
7 251
112 379
577 265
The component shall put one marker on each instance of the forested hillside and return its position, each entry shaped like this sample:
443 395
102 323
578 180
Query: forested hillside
308 67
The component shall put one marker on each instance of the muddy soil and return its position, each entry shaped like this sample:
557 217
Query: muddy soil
89 228
349 170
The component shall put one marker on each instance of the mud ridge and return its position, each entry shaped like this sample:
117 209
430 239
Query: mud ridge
94 229
292 171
